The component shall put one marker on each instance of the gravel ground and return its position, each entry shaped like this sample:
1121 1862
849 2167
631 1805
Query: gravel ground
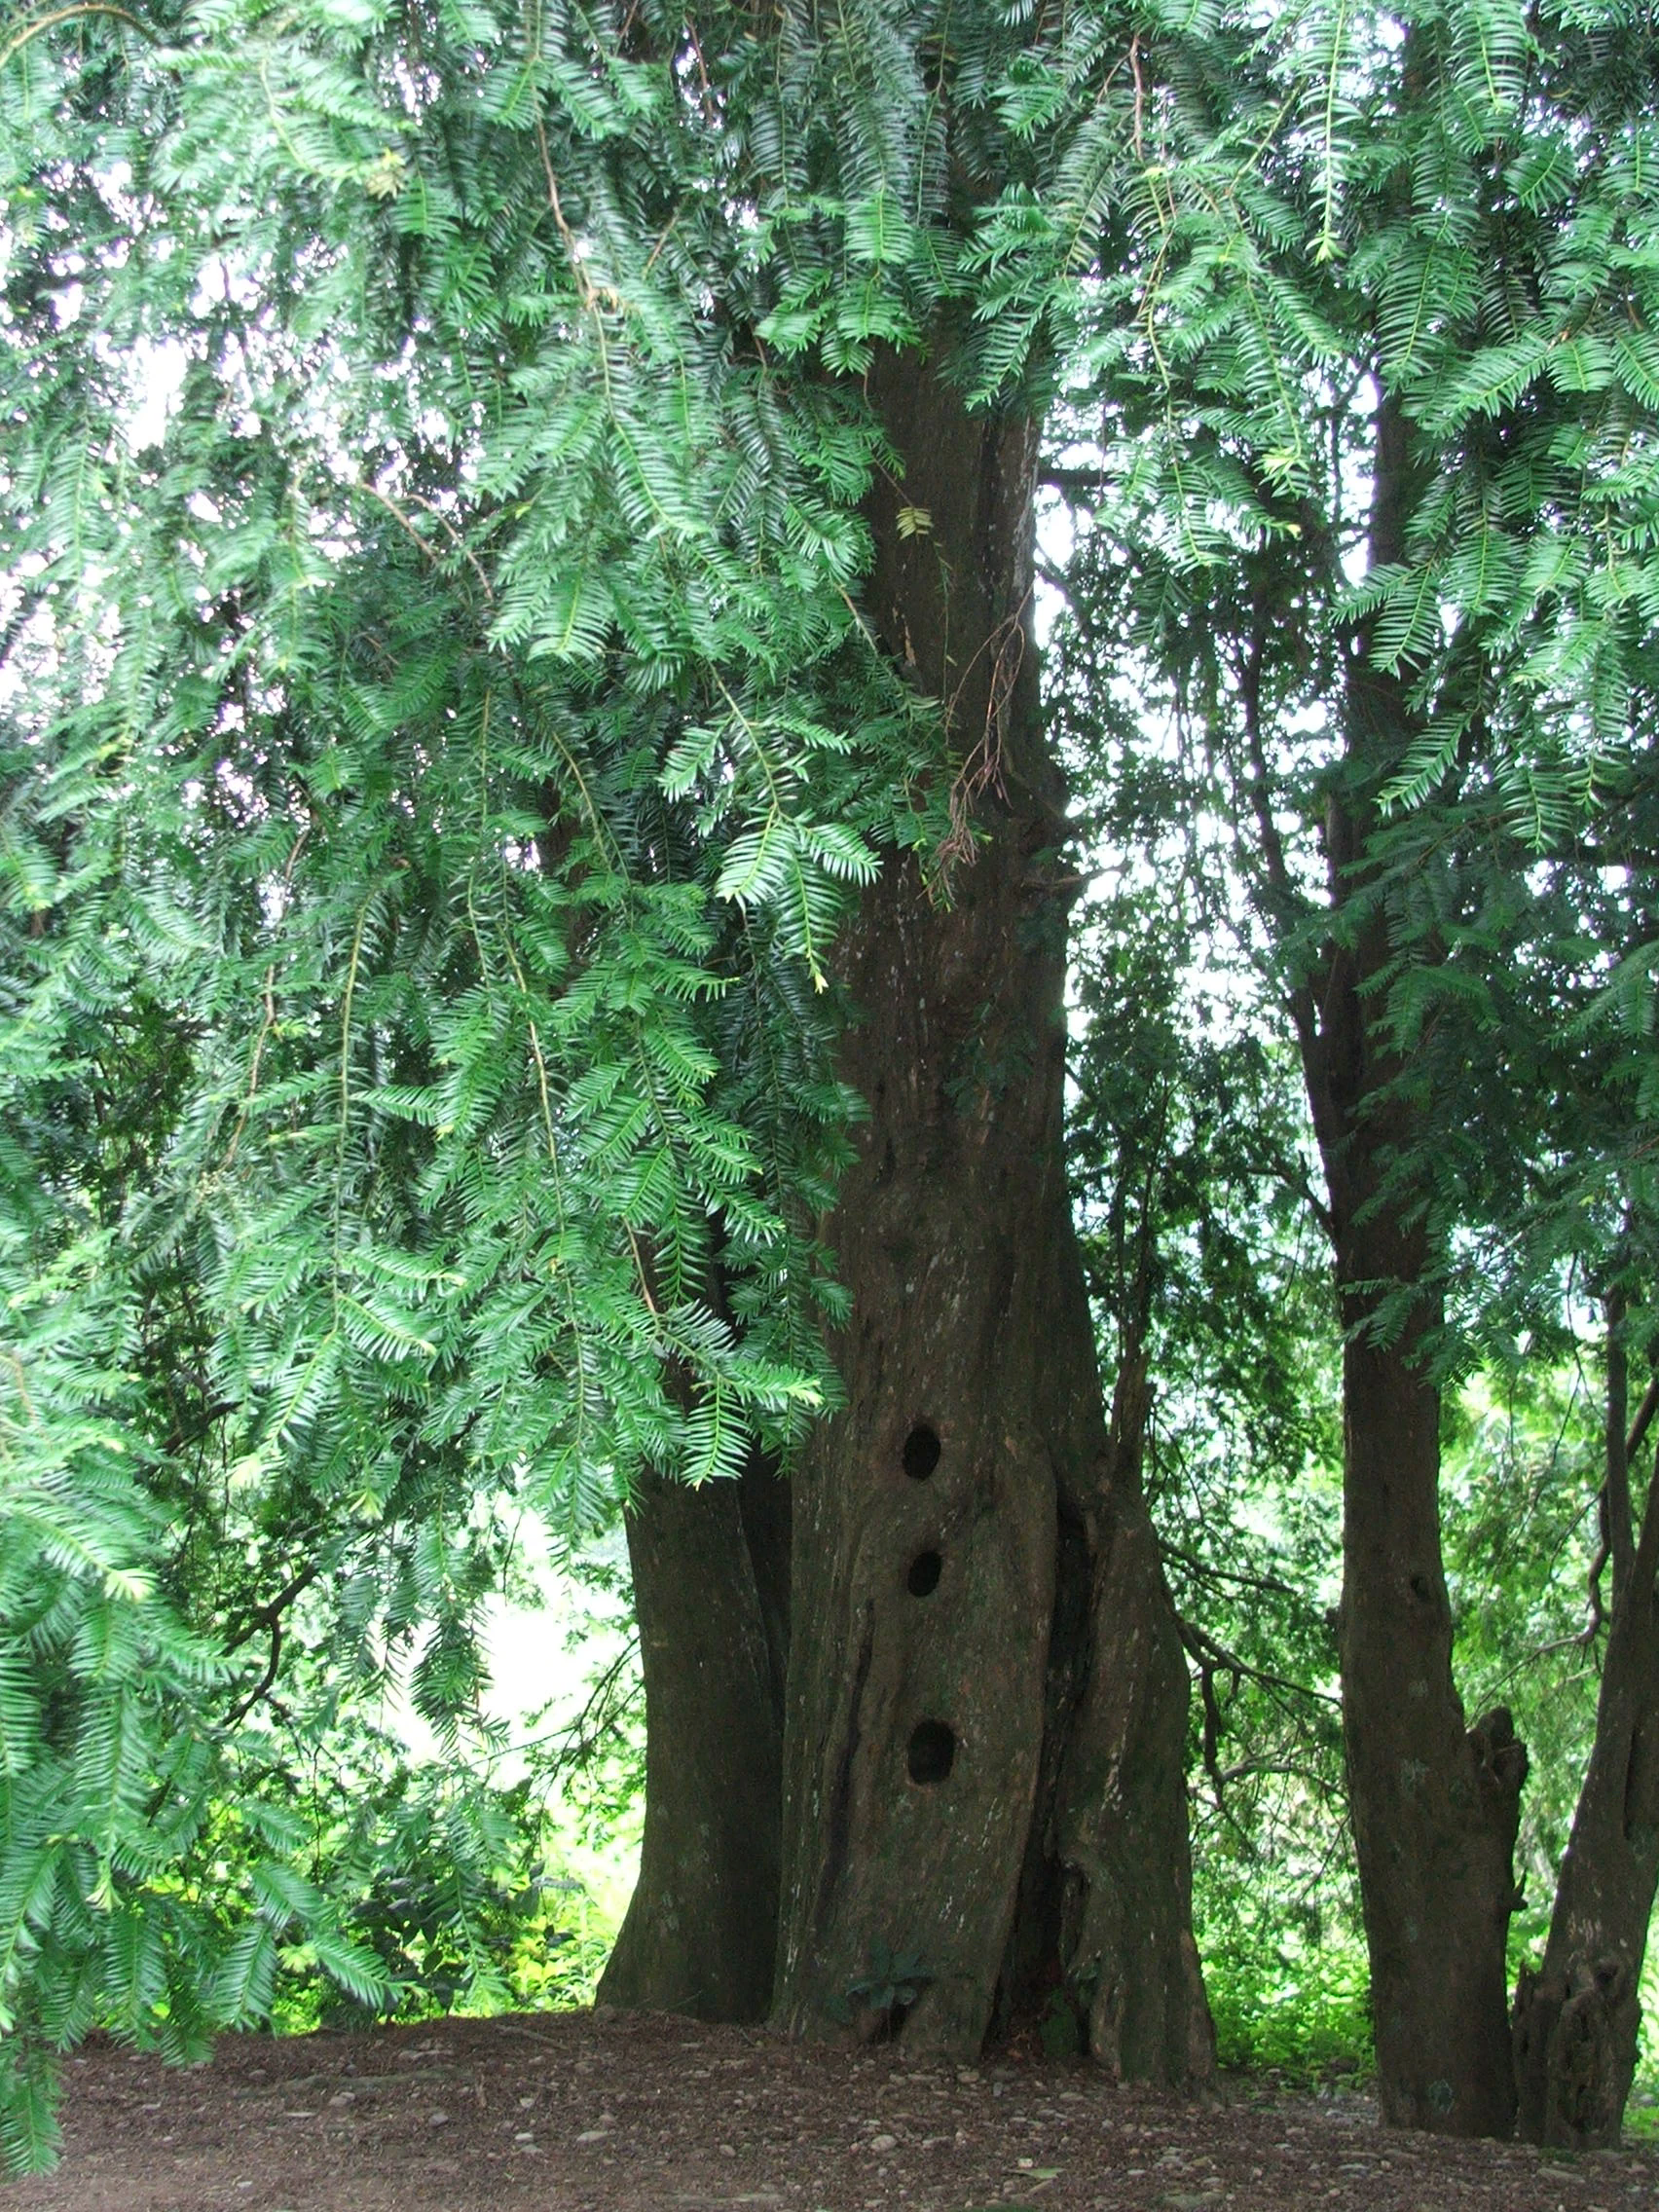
573 2112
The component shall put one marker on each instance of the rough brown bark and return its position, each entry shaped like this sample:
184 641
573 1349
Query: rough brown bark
986 1712
1577 2019
1434 1803
700 1931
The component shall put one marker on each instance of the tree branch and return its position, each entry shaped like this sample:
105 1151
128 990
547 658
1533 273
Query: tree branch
1303 1008
245 1705
269 1614
1268 1584
1208 1653
1644 1420
1077 485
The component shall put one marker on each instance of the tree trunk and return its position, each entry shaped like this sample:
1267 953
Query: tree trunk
1577 2021
984 1791
1435 1805
710 1572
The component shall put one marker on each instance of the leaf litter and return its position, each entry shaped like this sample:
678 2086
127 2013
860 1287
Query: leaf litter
584 2112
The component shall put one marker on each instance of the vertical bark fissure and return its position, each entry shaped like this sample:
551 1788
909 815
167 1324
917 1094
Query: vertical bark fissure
839 1824
763 1505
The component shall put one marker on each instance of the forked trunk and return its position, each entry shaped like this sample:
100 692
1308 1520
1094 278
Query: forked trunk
985 1794
710 1581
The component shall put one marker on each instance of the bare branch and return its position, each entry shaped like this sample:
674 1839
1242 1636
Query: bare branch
1208 1653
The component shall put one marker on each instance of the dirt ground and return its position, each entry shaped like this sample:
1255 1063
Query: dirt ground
570 2112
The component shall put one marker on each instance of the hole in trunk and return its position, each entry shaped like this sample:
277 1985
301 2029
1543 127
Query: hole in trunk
923 1578
932 1749
921 1452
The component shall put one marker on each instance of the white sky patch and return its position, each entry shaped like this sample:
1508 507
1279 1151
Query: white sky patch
157 383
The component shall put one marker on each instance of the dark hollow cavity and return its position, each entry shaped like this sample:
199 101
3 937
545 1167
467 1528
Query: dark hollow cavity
921 1452
923 1578
932 1750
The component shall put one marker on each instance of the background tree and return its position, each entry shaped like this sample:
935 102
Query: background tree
1367 483
1207 1264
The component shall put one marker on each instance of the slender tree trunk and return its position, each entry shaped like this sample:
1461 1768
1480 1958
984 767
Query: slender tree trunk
1577 2020
710 1569
1435 1804
984 1790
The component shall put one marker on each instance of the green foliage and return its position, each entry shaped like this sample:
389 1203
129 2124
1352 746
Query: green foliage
457 1888
437 743
1299 2015
888 1986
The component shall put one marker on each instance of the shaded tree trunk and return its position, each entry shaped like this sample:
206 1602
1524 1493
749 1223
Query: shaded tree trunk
984 1786
710 1573
1435 1804
1577 2019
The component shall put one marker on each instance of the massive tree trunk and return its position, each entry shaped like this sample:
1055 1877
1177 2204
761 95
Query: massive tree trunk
985 1793
1434 1803
710 1572
1576 2022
